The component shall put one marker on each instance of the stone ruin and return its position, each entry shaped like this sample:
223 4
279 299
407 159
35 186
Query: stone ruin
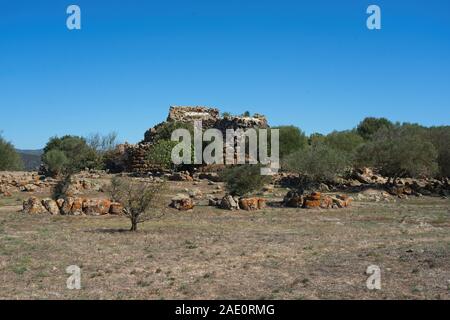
134 156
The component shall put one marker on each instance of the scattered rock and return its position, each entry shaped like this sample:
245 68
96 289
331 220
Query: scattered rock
51 206
116 208
229 203
195 194
33 206
251 204
182 202
293 199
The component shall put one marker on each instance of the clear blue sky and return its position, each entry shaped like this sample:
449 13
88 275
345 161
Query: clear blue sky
313 64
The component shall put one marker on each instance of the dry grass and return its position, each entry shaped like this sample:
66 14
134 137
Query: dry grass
210 253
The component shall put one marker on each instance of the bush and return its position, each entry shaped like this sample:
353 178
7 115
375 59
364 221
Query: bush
244 179
160 154
10 160
141 201
401 151
56 161
292 139
319 162
369 126
78 155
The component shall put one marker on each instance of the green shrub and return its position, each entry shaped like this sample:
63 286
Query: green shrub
56 161
244 179
10 160
319 162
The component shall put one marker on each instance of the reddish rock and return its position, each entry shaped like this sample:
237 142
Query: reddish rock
33 206
326 203
77 207
116 208
308 204
104 205
182 203
250 204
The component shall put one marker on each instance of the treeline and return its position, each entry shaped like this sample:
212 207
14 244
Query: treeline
395 149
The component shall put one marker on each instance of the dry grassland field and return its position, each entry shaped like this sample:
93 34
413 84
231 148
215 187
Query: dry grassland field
209 253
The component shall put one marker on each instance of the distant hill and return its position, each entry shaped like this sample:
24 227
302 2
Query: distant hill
31 158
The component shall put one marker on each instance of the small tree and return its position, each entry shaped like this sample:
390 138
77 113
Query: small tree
244 179
9 158
140 200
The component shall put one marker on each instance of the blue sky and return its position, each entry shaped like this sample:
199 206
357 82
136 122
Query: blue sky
313 64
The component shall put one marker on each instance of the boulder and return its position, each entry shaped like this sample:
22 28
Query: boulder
29 187
309 204
195 194
51 206
347 201
33 206
250 204
116 208
104 205
180 176
66 208
229 203
60 203
95 207
312 200
326 202
182 202
293 199
77 207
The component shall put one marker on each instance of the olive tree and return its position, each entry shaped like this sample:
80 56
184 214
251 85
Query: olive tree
141 201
